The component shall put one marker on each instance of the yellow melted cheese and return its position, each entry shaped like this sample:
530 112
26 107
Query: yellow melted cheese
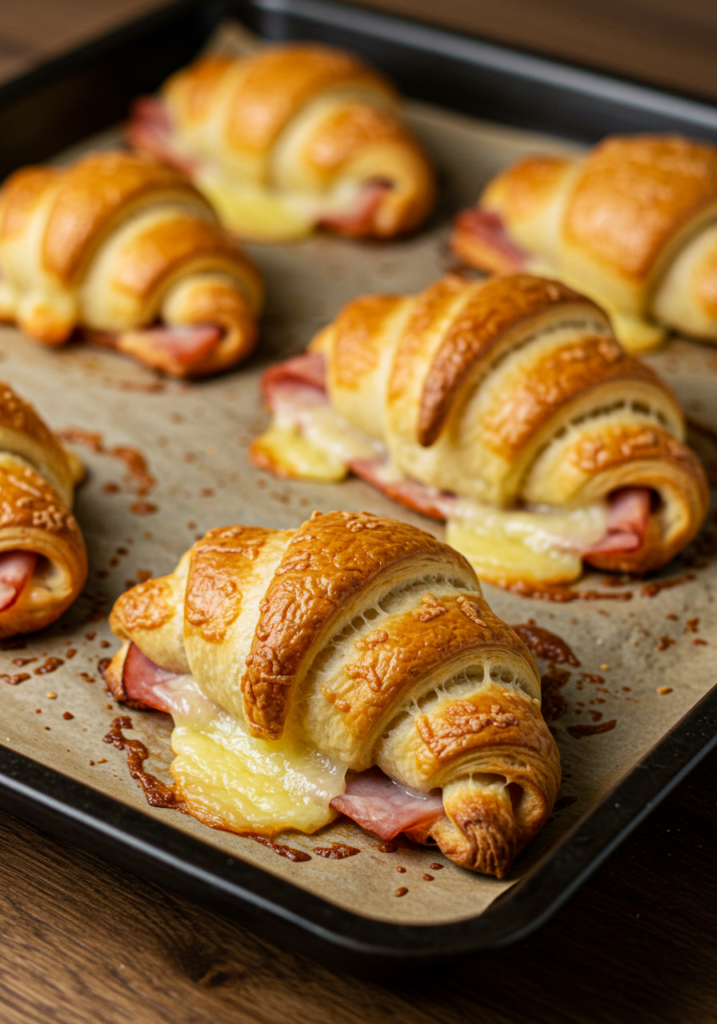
231 780
255 213
502 545
289 453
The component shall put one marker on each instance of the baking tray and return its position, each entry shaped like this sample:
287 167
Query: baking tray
335 910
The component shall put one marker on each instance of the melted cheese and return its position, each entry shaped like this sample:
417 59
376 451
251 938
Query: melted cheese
310 440
253 212
535 547
634 332
231 780
289 453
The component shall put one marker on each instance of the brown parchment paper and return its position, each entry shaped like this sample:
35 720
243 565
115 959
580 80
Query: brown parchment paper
194 439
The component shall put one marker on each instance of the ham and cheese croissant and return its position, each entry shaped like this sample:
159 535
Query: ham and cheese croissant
633 225
293 137
505 406
348 666
130 252
43 562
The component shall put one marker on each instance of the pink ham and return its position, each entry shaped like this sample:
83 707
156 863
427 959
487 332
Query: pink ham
143 680
629 511
489 228
308 370
414 495
186 345
300 383
361 220
384 807
16 569
150 131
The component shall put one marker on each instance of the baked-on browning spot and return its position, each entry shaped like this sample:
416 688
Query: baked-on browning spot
219 561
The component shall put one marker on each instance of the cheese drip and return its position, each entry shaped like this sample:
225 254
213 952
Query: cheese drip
308 439
230 780
267 215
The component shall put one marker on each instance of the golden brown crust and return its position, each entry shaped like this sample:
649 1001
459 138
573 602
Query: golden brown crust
328 559
21 193
705 285
33 518
558 380
313 129
19 416
145 606
494 308
634 194
93 193
419 641
357 349
105 245
280 80
432 687
667 466
527 185
219 561
493 718
180 245
348 129
36 487
476 388
194 88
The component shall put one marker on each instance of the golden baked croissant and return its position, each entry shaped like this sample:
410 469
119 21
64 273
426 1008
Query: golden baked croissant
291 657
633 225
129 251
505 406
293 137
43 562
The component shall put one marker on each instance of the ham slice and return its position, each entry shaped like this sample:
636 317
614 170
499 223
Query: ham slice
150 131
144 680
629 511
300 383
16 569
361 220
411 493
384 807
187 345
488 227
308 370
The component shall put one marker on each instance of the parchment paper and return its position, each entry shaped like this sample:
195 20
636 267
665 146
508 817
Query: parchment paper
194 438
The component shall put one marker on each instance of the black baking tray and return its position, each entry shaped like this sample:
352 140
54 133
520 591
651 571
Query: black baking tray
63 101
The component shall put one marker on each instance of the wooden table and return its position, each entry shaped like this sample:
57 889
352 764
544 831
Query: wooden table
84 943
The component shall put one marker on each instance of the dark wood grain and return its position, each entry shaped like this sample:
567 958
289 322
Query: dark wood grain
82 943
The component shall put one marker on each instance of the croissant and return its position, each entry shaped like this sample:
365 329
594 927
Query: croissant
43 562
505 406
356 645
633 225
130 252
293 137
